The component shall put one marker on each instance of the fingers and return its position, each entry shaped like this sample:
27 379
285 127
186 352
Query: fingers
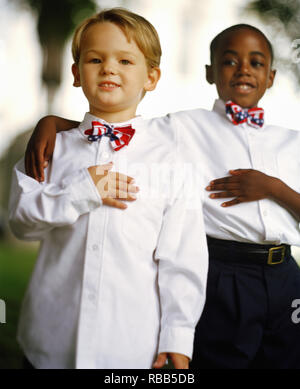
119 177
238 172
221 195
227 187
223 186
231 179
117 194
225 180
113 187
180 361
107 187
39 155
27 163
35 164
124 186
160 361
33 171
114 203
238 198
235 201
115 176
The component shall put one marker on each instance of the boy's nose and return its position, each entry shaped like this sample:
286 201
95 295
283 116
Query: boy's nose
108 68
244 68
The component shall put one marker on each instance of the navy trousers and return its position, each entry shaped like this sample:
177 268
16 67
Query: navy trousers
247 319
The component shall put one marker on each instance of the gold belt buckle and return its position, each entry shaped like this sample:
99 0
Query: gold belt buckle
270 256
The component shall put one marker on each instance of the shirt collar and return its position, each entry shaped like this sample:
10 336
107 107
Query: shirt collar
219 107
89 118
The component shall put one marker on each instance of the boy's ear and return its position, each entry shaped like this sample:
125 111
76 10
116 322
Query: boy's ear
76 74
209 74
271 78
153 78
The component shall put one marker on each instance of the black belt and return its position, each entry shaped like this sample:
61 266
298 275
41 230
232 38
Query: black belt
231 251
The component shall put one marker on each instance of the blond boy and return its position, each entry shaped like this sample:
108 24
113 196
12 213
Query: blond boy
111 289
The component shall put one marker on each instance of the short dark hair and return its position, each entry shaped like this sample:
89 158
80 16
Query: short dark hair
215 42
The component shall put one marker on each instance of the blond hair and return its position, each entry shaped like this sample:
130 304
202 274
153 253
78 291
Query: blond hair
133 26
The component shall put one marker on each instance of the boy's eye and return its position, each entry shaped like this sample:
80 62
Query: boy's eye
125 61
257 64
230 62
95 60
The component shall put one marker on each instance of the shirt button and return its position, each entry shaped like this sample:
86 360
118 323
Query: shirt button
265 213
105 155
95 247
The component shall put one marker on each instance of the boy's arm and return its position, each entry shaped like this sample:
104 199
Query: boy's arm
182 272
41 144
252 185
36 208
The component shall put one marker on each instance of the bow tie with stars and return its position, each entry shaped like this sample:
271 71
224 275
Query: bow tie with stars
119 136
237 115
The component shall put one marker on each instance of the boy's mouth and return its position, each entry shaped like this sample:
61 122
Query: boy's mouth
108 85
242 87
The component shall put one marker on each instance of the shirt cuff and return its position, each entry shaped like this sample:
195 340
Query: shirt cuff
176 340
84 194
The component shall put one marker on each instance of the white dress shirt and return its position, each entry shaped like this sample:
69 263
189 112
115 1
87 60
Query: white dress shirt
216 145
111 288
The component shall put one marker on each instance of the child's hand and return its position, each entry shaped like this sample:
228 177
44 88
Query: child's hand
113 186
40 148
244 185
180 361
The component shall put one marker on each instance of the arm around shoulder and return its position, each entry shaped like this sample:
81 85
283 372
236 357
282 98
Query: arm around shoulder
40 147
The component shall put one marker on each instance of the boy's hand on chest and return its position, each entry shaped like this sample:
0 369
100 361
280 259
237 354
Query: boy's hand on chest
243 185
114 188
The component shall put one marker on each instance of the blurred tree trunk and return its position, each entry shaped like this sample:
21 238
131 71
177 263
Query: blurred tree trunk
56 21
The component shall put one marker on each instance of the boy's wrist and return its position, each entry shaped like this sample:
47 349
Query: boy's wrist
276 188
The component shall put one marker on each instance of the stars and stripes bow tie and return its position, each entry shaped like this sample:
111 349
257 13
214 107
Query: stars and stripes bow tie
119 136
237 115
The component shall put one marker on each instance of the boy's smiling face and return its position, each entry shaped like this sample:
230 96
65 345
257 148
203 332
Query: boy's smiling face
112 72
241 67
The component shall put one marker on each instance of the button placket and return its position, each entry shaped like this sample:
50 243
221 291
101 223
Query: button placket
104 153
254 149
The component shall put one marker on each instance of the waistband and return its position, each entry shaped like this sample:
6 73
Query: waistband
250 253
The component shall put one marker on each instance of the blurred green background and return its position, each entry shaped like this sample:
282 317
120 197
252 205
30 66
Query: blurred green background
16 264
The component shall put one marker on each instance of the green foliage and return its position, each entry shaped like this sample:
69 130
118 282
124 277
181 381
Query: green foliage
16 264
59 17
283 16
283 10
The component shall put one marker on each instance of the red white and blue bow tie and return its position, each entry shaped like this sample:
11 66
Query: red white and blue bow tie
237 115
119 136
